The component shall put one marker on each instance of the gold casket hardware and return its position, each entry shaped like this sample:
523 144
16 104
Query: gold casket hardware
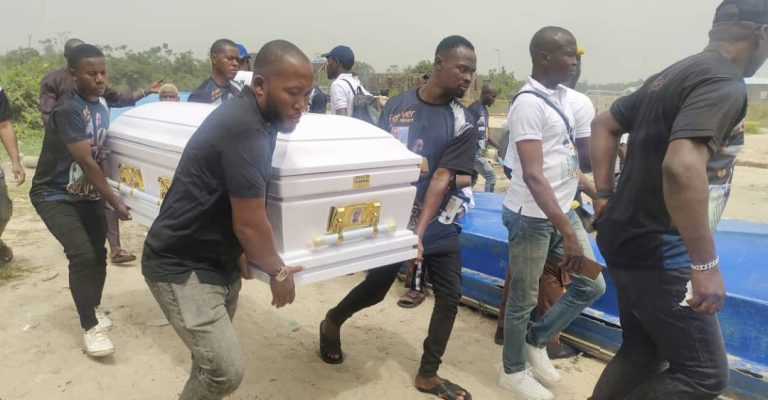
131 177
361 182
351 217
165 184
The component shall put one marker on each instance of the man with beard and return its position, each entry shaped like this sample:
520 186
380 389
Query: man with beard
216 210
431 122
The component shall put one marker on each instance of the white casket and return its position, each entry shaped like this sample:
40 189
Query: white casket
339 202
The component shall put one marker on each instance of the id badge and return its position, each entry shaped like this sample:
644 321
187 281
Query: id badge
451 209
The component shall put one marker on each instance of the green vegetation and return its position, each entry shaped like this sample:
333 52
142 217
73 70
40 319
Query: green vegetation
757 117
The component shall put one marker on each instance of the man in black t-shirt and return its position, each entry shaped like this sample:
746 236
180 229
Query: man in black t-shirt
218 88
69 189
480 110
431 122
655 231
8 137
215 211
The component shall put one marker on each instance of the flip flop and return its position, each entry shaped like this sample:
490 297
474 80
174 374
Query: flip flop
411 299
122 257
446 390
329 348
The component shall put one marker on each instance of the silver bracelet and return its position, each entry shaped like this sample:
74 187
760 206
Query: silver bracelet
707 266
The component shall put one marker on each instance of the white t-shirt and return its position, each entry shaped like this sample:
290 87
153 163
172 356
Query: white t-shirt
342 94
530 118
583 112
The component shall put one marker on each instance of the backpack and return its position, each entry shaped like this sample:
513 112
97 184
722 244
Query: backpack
365 107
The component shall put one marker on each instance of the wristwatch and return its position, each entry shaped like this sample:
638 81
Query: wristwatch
605 193
280 274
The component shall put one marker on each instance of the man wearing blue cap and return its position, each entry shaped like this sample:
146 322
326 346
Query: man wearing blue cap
244 62
344 87
655 227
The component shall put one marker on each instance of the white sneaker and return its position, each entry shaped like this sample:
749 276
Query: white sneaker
542 367
524 386
104 322
97 343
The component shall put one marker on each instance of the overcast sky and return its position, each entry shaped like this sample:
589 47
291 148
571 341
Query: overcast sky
625 40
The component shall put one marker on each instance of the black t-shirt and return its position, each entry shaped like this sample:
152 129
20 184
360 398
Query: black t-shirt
5 107
444 135
58 177
210 93
230 154
701 97
318 102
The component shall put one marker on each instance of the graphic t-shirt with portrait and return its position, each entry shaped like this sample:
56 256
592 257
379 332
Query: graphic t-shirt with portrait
58 177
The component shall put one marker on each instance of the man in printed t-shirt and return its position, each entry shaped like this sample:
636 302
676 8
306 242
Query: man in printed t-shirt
218 88
655 231
69 188
431 122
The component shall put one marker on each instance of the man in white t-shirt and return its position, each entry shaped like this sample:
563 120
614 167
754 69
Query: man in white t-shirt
537 212
341 59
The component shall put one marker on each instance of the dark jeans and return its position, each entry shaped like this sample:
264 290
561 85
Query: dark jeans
80 227
444 265
668 350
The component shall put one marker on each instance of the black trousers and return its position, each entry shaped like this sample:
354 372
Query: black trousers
443 261
81 228
668 350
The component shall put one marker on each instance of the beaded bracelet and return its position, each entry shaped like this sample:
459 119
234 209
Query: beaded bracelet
707 266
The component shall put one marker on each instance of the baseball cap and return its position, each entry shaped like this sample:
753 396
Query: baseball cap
755 11
243 51
342 53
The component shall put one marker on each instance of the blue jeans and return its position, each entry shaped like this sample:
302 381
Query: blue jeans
531 242
483 167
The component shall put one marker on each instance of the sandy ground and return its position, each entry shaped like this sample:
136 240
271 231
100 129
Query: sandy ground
40 337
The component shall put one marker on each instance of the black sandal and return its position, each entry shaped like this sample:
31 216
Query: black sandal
447 390
330 351
411 299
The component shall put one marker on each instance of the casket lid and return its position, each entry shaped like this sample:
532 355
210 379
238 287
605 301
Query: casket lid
330 143
320 143
162 125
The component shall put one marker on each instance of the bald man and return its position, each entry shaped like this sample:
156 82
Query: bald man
191 253
537 212
60 83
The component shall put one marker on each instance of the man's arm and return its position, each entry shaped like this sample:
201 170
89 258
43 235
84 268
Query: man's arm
48 96
438 187
606 132
686 194
583 149
8 136
81 152
532 162
253 230
339 101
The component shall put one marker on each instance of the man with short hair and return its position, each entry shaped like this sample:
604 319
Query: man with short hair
345 86
8 137
537 213
168 92
655 230
218 89
479 108
215 211
59 83
432 122
69 188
